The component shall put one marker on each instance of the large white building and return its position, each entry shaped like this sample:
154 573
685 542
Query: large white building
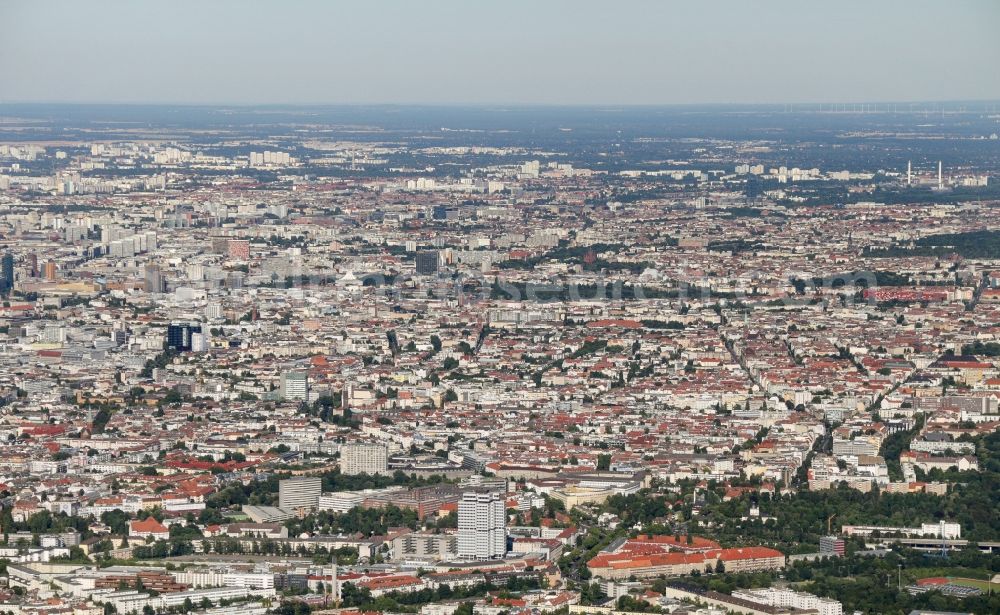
784 597
299 492
364 458
205 577
340 501
941 529
295 386
268 158
482 526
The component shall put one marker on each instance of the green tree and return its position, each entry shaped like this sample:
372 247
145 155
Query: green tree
604 462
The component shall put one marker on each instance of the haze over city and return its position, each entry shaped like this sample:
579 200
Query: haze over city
453 52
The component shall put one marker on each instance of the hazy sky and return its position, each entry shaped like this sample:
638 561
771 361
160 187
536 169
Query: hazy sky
510 51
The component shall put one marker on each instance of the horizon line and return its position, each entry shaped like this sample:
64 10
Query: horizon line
495 104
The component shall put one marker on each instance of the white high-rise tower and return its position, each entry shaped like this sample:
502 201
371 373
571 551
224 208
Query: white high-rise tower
909 173
482 526
940 182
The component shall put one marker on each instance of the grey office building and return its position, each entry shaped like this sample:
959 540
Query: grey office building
427 262
300 492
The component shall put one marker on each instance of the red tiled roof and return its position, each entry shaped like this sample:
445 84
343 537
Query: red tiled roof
729 555
627 560
148 525
391 582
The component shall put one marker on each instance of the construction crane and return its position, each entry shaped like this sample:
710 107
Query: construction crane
829 521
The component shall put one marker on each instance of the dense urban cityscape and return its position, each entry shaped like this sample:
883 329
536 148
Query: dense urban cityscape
530 367
480 308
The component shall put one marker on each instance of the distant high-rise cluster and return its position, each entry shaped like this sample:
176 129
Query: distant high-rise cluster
269 158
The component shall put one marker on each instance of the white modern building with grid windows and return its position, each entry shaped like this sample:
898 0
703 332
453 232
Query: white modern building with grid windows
364 458
482 526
